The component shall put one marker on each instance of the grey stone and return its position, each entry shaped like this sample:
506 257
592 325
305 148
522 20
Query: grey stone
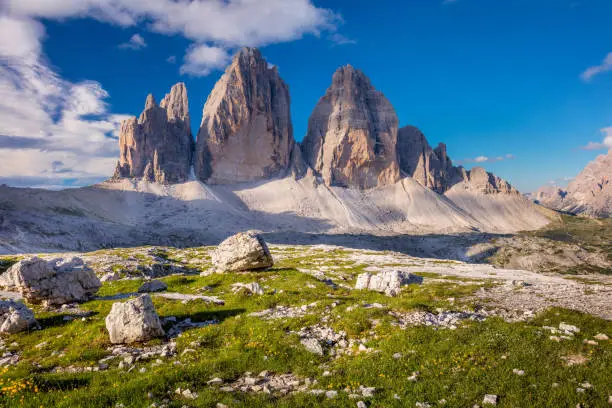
242 252
54 282
133 321
152 286
15 317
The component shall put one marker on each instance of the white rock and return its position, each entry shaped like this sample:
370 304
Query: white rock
331 394
110 277
242 252
15 317
568 328
387 282
312 345
252 288
54 282
518 372
601 337
490 399
361 404
134 320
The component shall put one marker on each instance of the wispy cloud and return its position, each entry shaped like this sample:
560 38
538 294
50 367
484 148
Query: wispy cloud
202 59
486 159
171 59
605 144
341 39
591 72
136 42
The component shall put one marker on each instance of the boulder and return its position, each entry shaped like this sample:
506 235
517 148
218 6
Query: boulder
387 282
133 321
242 252
15 317
152 286
54 282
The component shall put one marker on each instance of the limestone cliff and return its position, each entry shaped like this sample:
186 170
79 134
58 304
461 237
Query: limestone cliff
158 146
352 134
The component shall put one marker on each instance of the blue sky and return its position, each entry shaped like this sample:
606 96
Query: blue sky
489 78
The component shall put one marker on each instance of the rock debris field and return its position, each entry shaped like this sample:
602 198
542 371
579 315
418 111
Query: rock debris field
281 325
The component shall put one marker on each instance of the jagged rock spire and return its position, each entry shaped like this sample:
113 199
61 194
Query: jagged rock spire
158 146
352 134
246 132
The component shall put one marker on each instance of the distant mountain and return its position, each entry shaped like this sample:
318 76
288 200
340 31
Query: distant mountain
355 173
589 194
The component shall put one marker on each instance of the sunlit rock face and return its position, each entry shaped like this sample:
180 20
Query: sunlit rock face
352 134
246 132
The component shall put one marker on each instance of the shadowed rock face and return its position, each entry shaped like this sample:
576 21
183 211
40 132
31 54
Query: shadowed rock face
158 146
246 132
433 168
352 134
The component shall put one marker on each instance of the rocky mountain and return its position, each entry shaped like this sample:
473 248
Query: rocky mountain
590 193
352 134
158 146
246 132
433 169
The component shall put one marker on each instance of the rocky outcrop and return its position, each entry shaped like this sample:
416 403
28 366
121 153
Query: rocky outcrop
387 282
158 146
134 320
589 194
15 317
479 180
242 252
54 282
433 168
352 134
246 132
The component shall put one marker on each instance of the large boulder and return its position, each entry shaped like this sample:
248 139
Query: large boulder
246 132
352 134
133 321
387 282
15 317
54 282
242 252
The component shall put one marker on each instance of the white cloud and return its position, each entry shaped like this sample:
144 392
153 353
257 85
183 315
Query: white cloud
45 119
605 144
201 59
340 39
171 59
487 159
136 42
605 66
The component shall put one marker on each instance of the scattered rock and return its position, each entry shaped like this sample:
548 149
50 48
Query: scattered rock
15 317
490 399
242 252
568 328
134 320
443 320
312 345
110 277
252 288
601 337
54 282
387 282
518 372
269 383
152 286
281 312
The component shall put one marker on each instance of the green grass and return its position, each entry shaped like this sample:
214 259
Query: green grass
457 365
